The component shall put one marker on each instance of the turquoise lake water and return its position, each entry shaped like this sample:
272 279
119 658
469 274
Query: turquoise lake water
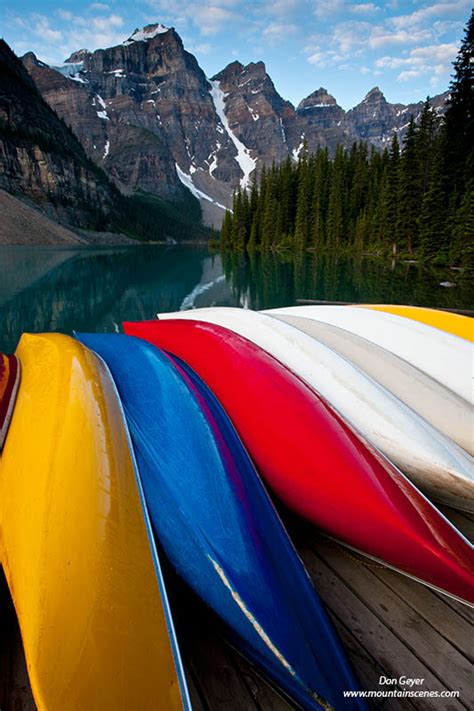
95 289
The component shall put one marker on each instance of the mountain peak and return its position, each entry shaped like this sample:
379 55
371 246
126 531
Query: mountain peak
318 99
374 95
31 60
257 67
146 33
77 56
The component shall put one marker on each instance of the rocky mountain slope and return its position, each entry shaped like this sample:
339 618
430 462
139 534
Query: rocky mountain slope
145 112
22 224
40 158
43 163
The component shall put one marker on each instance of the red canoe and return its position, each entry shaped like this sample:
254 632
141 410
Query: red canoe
9 381
314 462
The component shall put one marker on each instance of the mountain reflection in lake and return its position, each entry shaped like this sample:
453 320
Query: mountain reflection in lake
58 289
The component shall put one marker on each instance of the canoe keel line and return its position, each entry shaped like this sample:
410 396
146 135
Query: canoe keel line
133 441
73 543
217 525
316 465
434 462
9 381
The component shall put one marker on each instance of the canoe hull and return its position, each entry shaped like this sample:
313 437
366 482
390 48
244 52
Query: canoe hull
439 406
457 325
231 548
74 546
440 355
436 464
9 382
347 489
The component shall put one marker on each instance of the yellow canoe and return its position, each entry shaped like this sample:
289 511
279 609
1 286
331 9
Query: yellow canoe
458 325
74 542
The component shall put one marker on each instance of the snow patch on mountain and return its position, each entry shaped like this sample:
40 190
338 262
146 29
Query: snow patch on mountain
255 115
102 114
244 159
295 153
187 181
70 70
145 34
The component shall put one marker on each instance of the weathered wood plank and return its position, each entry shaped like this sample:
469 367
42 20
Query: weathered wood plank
15 690
465 612
219 681
432 609
265 697
195 694
380 641
367 668
434 650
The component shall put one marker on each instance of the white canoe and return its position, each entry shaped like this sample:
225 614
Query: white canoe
446 358
442 408
435 463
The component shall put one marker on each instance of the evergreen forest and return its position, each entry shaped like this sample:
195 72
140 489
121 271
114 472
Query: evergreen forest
411 200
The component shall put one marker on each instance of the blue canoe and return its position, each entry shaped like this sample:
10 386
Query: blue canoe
218 526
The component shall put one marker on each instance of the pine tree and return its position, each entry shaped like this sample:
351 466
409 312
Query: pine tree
409 194
459 117
238 232
302 220
334 225
393 187
425 138
226 231
433 227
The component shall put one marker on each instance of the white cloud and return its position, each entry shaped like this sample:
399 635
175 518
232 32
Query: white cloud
53 45
326 8
210 18
351 35
64 14
420 61
201 48
324 58
278 30
366 8
379 37
280 8
104 23
43 29
433 54
426 14
100 6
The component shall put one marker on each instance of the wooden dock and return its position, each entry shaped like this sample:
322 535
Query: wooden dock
391 626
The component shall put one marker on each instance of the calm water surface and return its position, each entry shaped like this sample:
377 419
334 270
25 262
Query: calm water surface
61 289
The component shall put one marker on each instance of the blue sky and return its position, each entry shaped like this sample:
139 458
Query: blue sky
404 46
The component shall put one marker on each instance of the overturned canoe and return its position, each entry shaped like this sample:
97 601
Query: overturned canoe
440 355
74 544
457 325
9 381
219 528
432 461
316 464
448 412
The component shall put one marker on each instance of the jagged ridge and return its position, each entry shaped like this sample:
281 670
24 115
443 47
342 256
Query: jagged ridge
145 111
